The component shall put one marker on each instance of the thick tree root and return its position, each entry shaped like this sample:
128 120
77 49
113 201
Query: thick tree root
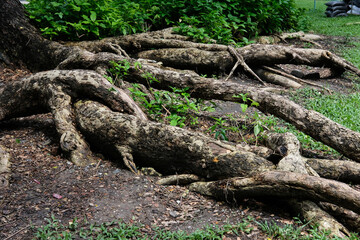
317 216
277 79
345 216
310 122
182 151
344 171
283 185
288 146
133 139
54 91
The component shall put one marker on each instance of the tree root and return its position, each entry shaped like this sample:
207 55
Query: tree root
182 179
344 171
310 122
285 185
240 61
295 78
4 168
55 90
182 151
288 146
277 79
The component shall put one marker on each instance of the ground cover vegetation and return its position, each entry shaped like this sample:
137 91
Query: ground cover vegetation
182 105
119 230
347 27
227 22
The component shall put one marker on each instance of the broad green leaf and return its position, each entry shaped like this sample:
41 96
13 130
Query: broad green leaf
93 16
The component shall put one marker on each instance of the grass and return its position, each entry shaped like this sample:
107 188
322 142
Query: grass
120 230
341 108
337 26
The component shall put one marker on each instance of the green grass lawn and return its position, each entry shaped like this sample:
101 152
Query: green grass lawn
336 26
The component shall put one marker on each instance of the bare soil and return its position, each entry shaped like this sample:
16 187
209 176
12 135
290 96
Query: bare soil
44 184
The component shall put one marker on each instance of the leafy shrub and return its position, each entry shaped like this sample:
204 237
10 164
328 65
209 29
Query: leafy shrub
226 22
86 19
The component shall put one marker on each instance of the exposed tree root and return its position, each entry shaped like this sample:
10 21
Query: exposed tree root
240 61
128 136
4 168
277 79
54 91
295 78
345 216
182 151
283 185
288 146
182 179
310 122
344 171
317 216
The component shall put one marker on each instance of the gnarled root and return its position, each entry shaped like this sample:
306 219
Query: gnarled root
55 90
182 151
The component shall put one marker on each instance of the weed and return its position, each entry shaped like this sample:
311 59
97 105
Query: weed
119 70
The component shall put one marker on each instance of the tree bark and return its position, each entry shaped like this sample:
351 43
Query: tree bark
182 151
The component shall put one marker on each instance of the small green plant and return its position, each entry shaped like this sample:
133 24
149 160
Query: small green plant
219 129
119 70
120 230
174 107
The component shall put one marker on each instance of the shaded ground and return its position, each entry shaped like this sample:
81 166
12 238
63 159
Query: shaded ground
44 184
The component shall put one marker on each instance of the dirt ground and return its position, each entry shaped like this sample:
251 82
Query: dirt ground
44 184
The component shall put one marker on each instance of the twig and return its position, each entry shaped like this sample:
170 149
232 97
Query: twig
97 165
60 171
11 236
310 41
295 78
240 61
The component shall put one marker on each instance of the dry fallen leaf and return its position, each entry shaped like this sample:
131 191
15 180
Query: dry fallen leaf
55 195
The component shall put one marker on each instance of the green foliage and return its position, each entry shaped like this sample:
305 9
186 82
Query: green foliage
120 230
229 21
173 107
86 19
316 21
220 129
341 108
119 70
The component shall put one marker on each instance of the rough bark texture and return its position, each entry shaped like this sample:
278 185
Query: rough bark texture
344 171
283 185
4 167
288 146
54 91
310 122
182 151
